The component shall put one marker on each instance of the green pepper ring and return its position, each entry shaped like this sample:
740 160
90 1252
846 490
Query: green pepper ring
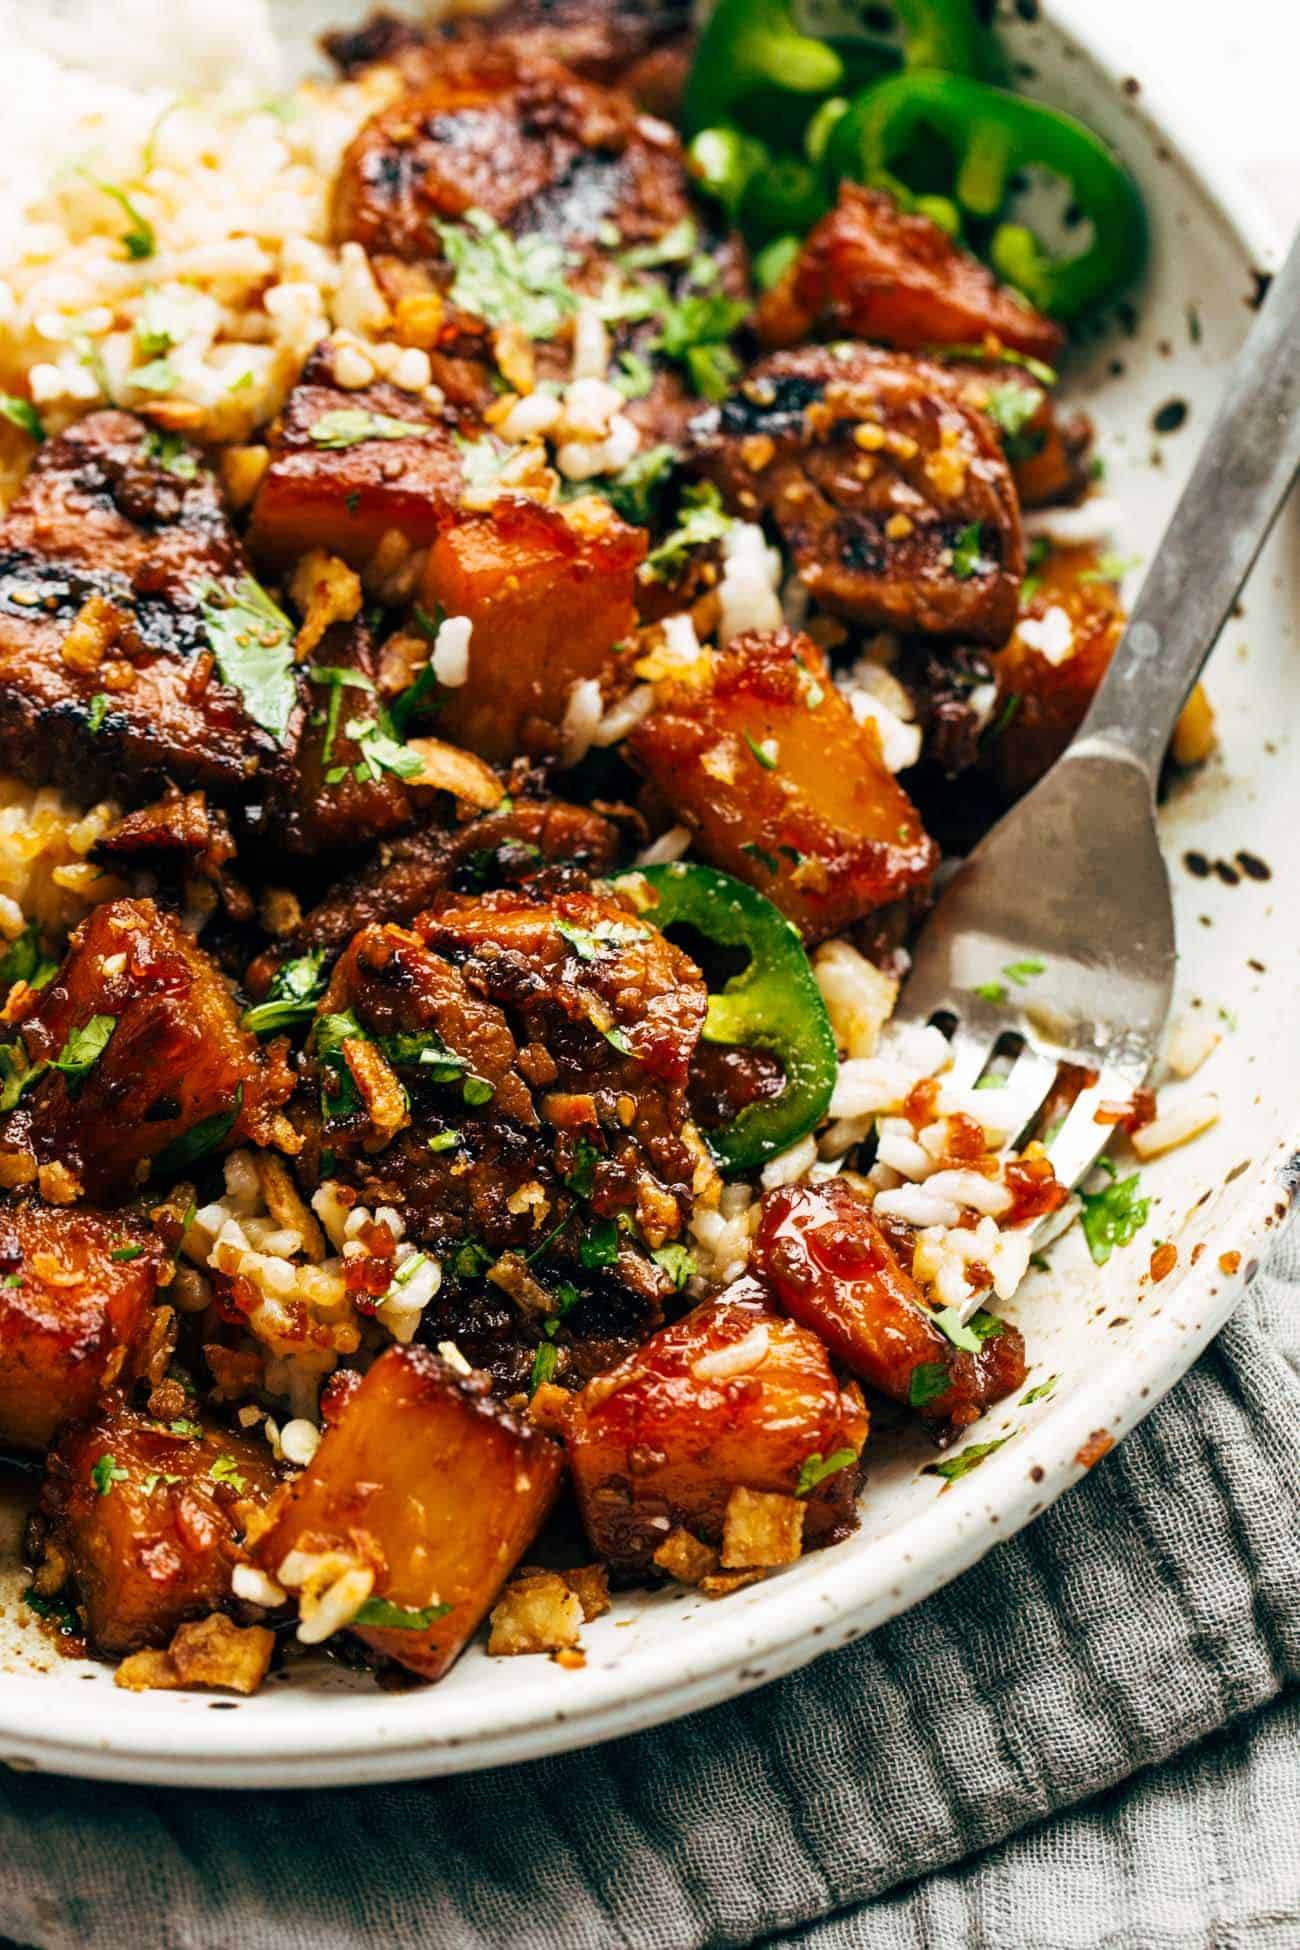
773 1004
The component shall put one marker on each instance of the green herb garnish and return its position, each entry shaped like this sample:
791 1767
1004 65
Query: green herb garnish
955 1467
106 1472
757 751
600 1246
201 1138
677 1261
1043 1392
813 1470
634 492
507 280
928 1380
545 1362
24 962
383 1616
296 988
171 453
1114 1216
140 241
21 413
84 1048
252 642
966 557
122 1254
701 519
348 426
226 1470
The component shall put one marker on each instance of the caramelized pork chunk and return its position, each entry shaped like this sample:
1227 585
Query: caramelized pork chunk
892 493
544 1047
75 1295
542 153
763 759
350 468
109 555
732 1396
548 592
431 1492
130 1060
495 849
149 1519
1048 672
1050 452
831 1267
869 271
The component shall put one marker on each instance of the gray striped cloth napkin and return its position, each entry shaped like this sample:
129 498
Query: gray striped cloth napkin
1085 1743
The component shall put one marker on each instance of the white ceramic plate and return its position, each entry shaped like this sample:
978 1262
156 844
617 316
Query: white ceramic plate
1117 1340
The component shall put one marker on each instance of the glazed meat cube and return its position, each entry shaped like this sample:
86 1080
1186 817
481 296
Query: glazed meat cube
733 1395
76 1289
107 680
496 849
546 1046
765 762
131 1058
520 138
1049 670
870 271
430 1485
150 1519
549 592
831 1267
892 493
351 467
639 45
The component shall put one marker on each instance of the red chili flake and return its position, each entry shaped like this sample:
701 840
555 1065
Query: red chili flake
1163 1261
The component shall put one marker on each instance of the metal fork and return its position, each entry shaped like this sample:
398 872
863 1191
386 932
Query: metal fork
1072 878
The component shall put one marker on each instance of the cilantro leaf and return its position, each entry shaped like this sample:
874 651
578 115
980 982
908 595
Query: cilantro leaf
106 1472
600 1247
382 1615
634 492
24 962
1113 1217
348 426
701 519
1042 1393
814 1470
677 1261
205 1136
545 1362
952 1468
84 1048
171 453
507 280
295 989
252 642
966 557
226 1470
140 241
928 1380
22 414
1011 407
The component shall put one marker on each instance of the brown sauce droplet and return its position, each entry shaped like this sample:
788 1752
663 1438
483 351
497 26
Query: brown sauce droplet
1251 864
1169 417
1197 864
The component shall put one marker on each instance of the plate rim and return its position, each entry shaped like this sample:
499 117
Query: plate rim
376 1738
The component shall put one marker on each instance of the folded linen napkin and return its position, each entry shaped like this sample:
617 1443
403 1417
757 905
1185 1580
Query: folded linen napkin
1155 1605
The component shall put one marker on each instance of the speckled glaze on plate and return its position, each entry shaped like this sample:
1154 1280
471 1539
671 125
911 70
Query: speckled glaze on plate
1117 1339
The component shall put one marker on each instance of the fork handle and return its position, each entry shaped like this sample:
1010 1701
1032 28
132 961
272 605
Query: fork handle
1239 482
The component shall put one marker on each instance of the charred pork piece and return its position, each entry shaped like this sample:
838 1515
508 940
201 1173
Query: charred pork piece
763 759
116 546
733 1397
869 271
548 592
494 850
642 46
149 1518
540 152
892 493
130 1061
180 840
75 1298
349 468
428 1492
832 1268
511 1076
1047 673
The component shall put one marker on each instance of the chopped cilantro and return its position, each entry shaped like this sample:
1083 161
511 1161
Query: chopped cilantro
966 558
634 492
121 1254
24 962
967 1338
152 1480
545 1362
139 241
813 1470
97 713
476 1091
380 750
1111 568
712 369
348 426
381 1615
765 758
585 1159
225 1470
990 991
955 1467
22 414
482 460
171 453
1023 972
1004 354
424 1050
252 642
185 1427
1011 407
295 989
1113 1217
506 280
470 1259
17 1073
617 1039
201 1138
55 1611
1042 1393
339 1096
928 1380
636 375
674 247
600 1247
677 1261
694 330
106 1472
419 697
84 1048
444 1140
158 376
774 260
12 1279
589 944
700 519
